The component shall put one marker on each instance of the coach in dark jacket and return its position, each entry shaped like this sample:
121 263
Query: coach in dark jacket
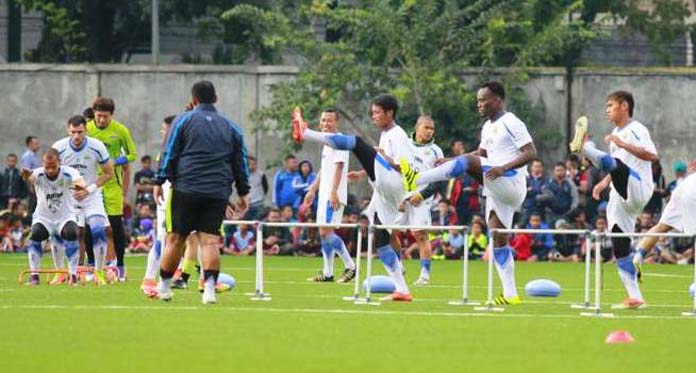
202 156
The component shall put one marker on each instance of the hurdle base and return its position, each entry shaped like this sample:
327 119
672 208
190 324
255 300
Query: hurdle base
351 298
583 306
489 308
258 296
597 313
366 302
463 302
690 313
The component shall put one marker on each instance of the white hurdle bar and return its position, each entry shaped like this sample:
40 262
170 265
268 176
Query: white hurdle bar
465 275
490 304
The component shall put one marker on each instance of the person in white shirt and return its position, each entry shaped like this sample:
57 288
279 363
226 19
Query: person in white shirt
499 165
332 183
418 209
55 213
380 167
631 153
90 157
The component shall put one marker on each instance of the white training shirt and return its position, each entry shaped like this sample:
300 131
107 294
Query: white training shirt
54 197
503 138
424 157
637 134
396 144
329 158
87 159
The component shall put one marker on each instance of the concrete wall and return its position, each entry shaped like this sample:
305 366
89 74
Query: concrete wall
39 98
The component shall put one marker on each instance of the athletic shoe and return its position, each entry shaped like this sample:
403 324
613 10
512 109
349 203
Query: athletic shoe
180 283
163 293
209 297
580 133
507 301
638 263
630 304
99 278
148 285
34 280
347 276
59 278
408 176
321 278
89 277
398 297
73 280
298 125
219 287
422 281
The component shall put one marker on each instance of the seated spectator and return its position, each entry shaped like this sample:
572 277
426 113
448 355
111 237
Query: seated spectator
144 212
445 214
645 222
606 249
364 224
143 236
308 242
407 242
349 235
522 245
276 240
5 238
567 246
561 195
144 181
18 234
679 168
453 244
542 243
681 251
243 242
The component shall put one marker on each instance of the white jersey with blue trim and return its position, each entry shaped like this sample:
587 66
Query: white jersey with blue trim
502 139
54 197
637 134
425 156
87 159
396 144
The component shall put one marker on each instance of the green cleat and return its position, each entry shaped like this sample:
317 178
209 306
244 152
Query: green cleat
580 133
408 176
509 301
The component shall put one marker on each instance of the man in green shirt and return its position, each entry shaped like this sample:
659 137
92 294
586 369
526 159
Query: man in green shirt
119 143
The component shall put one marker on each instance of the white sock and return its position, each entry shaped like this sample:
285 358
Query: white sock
343 253
593 154
99 255
316 136
73 261
153 263
631 284
424 274
34 252
328 255
165 285
506 270
398 277
58 254
209 285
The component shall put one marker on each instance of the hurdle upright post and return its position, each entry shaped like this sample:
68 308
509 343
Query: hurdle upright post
692 313
356 289
465 274
368 274
259 294
490 305
598 280
588 265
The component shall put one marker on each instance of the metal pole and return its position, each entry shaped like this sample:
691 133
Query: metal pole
356 290
155 32
588 267
491 257
368 274
259 295
465 276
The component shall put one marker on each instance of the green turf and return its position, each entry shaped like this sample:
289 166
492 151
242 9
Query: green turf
307 327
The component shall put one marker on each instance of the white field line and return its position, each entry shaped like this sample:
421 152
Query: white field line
220 308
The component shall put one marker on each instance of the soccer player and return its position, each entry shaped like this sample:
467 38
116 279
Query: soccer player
119 143
679 214
90 157
203 154
378 165
631 152
418 208
499 164
153 256
54 214
332 183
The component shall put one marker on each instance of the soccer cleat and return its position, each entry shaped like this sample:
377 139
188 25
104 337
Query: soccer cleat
148 285
422 281
99 278
209 297
320 277
298 125
580 133
219 287
73 280
638 263
507 301
180 283
164 292
398 297
34 280
59 278
347 276
630 304
408 176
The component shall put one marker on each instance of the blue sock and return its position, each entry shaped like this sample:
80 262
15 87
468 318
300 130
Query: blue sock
342 142
502 255
460 167
158 249
607 163
626 265
35 247
425 264
388 256
71 247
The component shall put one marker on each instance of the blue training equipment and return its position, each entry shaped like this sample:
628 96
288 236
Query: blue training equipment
692 289
380 284
542 288
224 278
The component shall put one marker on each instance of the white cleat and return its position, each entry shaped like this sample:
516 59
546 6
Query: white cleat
209 297
580 133
422 281
164 292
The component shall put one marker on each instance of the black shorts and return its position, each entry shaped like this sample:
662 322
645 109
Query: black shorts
189 212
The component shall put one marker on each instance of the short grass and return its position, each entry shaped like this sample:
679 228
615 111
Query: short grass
307 327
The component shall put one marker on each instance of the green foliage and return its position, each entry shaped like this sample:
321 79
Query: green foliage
62 38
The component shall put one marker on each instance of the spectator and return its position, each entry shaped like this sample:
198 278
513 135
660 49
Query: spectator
283 191
445 214
567 246
12 186
243 242
542 243
645 222
536 185
561 194
453 244
350 235
5 238
302 182
660 192
277 240
606 249
308 242
592 176
522 245
679 168
573 171
144 181
18 234
478 241
143 236
464 194
259 190
30 158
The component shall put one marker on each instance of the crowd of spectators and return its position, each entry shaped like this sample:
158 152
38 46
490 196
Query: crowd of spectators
558 197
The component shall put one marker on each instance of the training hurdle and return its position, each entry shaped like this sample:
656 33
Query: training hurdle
490 305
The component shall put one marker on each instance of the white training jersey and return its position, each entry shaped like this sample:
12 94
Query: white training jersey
425 156
87 160
54 200
503 138
637 134
396 144
329 158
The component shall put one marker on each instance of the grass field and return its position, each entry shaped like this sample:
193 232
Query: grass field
308 328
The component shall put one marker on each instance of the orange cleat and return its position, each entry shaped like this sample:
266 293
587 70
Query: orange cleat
298 125
58 279
398 297
148 285
630 304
